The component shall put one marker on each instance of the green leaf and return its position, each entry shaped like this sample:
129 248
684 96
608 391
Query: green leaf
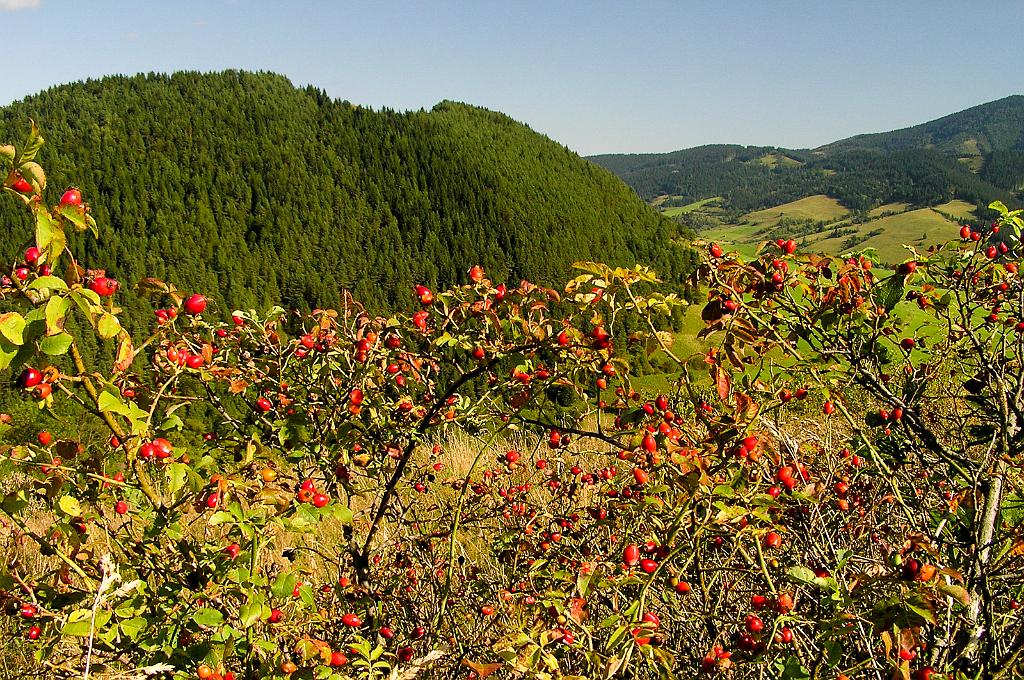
267 646
89 294
13 503
48 283
616 637
340 512
240 575
151 286
33 143
922 608
251 612
56 345
306 595
283 585
108 401
7 353
70 506
304 518
36 314
727 513
999 207
108 326
76 629
209 617
583 581
801 574
12 326
73 214
172 422
79 622
890 292
82 301
132 627
723 490
138 419
794 670
176 473
220 517
958 593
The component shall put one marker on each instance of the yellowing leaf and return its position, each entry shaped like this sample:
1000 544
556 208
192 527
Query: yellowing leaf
125 353
56 312
50 238
722 382
12 326
481 669
70 506
108 326
34 175
958 593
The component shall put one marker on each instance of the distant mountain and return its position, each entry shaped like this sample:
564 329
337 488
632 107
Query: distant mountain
259 192
976 155
977 131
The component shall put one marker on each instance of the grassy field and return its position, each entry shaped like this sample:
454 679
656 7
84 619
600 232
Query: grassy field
819 208
774 160
920 227
690 207
957 208
896 224
888 208
973 163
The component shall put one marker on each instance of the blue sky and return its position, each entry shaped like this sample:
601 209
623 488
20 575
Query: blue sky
596 76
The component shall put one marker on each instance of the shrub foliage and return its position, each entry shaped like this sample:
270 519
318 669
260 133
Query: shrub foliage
476 489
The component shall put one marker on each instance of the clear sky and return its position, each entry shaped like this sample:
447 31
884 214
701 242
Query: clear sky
616 76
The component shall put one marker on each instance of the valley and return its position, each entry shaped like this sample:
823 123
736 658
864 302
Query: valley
874 191
821 224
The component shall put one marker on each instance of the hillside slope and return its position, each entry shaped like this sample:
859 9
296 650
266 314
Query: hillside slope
244 184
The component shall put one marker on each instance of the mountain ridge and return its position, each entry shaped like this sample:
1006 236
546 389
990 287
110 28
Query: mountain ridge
978 118
976 155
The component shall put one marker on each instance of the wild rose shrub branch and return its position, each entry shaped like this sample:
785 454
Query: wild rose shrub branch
323 528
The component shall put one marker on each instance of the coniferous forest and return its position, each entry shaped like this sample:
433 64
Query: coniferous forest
243 184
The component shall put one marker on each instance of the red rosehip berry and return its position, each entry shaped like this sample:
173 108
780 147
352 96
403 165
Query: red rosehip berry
195 304
71 197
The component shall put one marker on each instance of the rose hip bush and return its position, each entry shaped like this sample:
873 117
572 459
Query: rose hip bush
923 363
475 489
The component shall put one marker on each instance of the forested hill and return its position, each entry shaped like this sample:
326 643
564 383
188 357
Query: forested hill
976 155
260 192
